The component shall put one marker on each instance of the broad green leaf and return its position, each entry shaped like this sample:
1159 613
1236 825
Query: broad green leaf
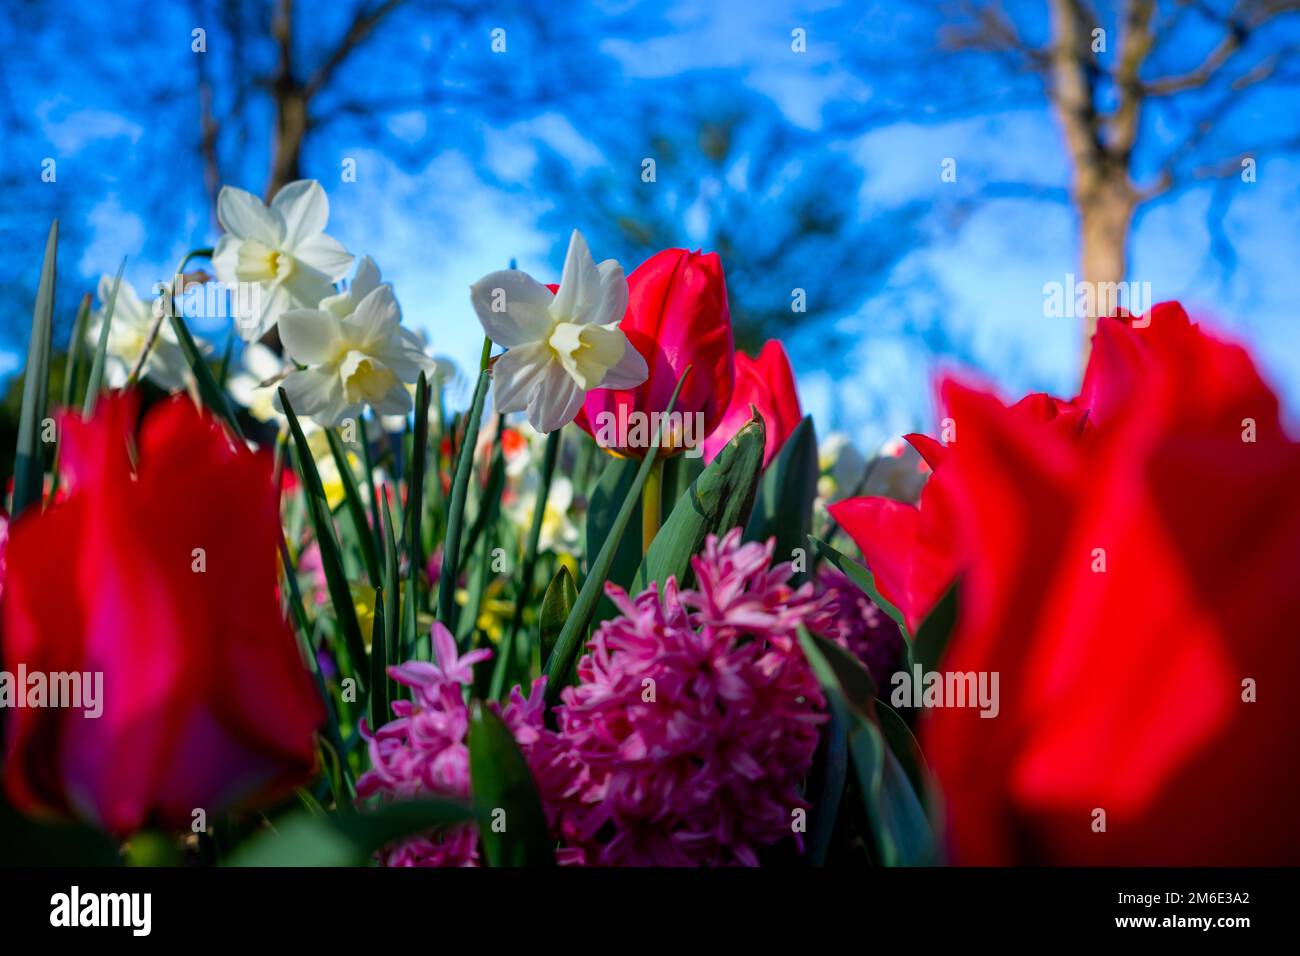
96 380
563 660
901 833
511 823
830 773
906 749
305 839
356 508
29 456
860 576
330 557
935 631
719 500
561 595
784 505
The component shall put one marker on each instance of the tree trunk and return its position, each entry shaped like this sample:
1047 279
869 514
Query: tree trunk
290 130
1106 215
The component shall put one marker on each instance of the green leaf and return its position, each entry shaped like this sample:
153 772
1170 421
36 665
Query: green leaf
557 604
210 392
900 831
305 839
860 576
450 573
27 842
719 500
511 823
29 457
96 380
906 749
76 349
935 631
378 663
830 774
606 501
392 589
560 665
415 516
330 557
784 507
356 508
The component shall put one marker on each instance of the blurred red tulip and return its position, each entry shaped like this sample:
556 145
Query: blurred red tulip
162 578
677 315
767 383
913 550
1137 594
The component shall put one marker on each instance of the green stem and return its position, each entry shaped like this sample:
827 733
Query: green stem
524 591
456 510
651 504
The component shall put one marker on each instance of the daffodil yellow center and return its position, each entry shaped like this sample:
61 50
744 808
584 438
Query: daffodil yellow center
587 352
365 378
258 262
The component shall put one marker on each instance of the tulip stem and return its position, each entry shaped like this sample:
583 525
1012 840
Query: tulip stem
651 504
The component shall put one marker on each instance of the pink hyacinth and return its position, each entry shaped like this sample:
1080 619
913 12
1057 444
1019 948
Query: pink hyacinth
423 753
851 619
694 721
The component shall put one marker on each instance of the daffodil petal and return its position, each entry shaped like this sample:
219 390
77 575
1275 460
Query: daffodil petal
512 307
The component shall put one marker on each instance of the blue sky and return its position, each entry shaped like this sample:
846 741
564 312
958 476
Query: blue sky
437 225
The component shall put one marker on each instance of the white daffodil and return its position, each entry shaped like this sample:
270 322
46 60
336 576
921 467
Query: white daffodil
132 324
356 351
558 532
255 384
561 345
281 249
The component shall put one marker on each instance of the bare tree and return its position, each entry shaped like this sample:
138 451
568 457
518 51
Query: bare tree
1099 97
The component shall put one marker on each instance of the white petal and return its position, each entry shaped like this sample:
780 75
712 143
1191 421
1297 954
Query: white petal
225 258
524 301
270 301
304 209
556 401
613 295
242 214
579 292
630 371
517 374
375 322
307 287
366 280
397 401
310 336
315 393
326 255
261 362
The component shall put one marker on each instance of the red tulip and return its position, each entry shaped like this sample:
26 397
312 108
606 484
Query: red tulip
767 383
162 578
913 550
677 315
1137 594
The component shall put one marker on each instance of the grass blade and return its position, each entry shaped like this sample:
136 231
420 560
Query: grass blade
356 508
96 381
456 508
29 458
